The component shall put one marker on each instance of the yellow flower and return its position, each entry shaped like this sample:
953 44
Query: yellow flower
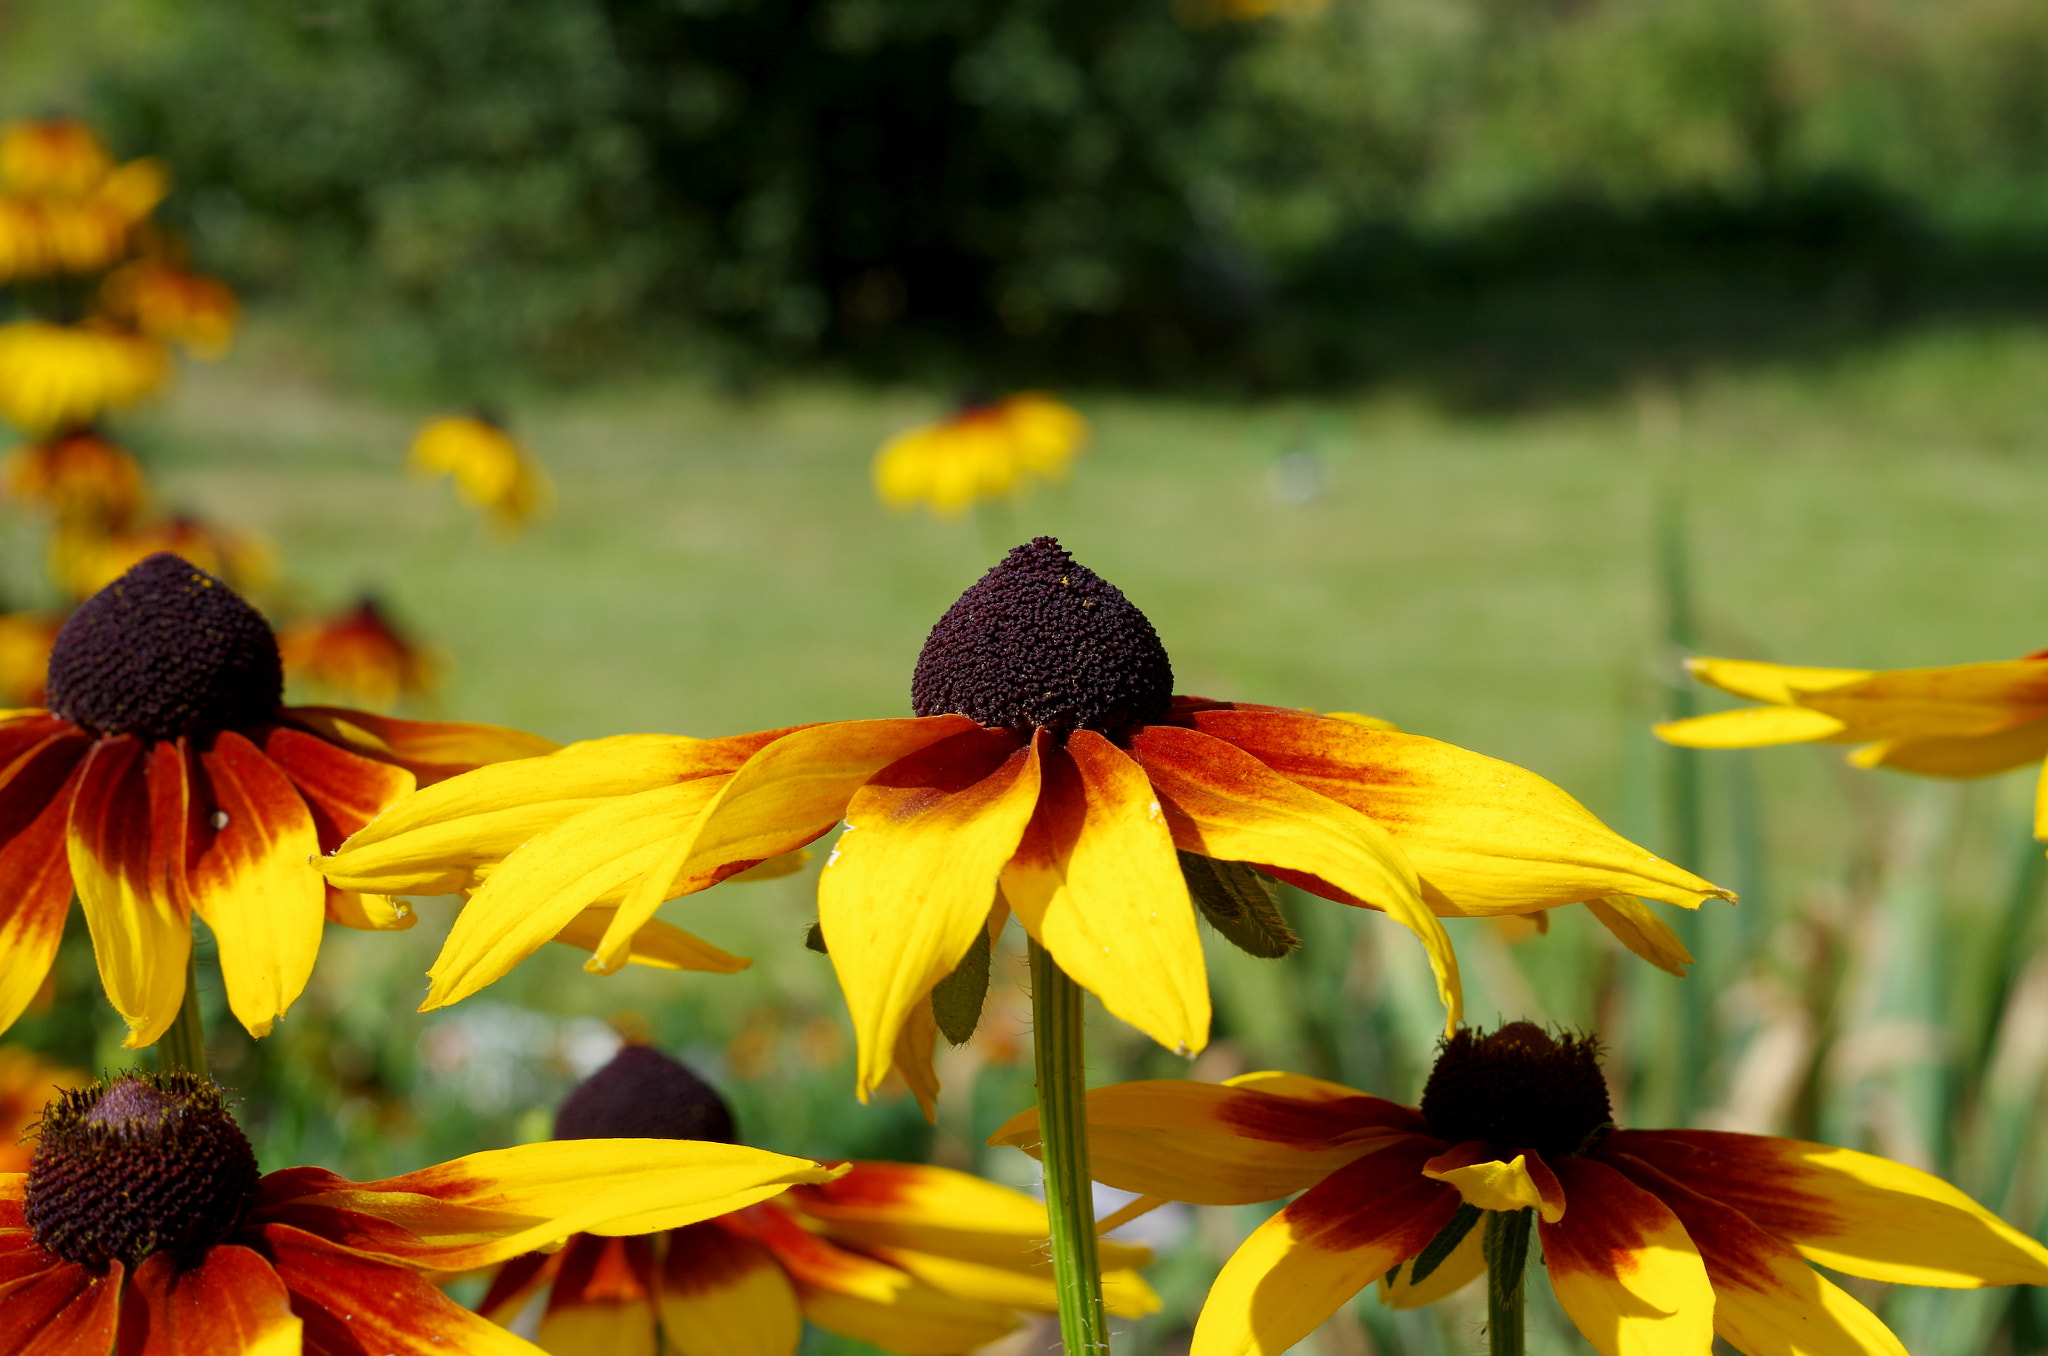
166 779
26 1082
984 451
920 1260
56 157
25 641
80 477
1967 720
85 558
57 375
169 303
64 204
143 1212
358 654
1655 1240
489 469
1050 772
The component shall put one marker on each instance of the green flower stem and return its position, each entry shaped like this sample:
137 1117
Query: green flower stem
1063 1135
1507 1255
183 1046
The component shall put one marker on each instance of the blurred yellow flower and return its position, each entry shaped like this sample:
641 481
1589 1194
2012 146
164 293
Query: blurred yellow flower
168 303
1966 720
358 654
80 477
983 451
489 469
25 641
27 1081
84 559
66 205
56 375
59 156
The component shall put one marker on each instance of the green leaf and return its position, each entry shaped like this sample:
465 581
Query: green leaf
815 939
1241 903
1444 1244
957 999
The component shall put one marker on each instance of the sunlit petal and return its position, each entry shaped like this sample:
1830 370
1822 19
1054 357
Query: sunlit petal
140 935
722 1295
1641 931
1624 1269
1779 683
659 945
1523 1182
1753 727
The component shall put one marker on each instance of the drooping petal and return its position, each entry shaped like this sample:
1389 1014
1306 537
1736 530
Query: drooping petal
602 1301
1767 1300
432 842
1779 683
349 1302
1212 1144
1328 1244
369 913
1641 931
1466 1264
1753 727
1097 883
1223 802
659 945
1959 700
911 881
487 1207
343 790
1523 1182
141 935
1624 1270
914 1056
723 1295
1854 1212
252 881
1124 1292
63 1310
432 750
231 1302
1485 836
35 872
544 884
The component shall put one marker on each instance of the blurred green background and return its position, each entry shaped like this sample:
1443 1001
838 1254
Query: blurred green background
1459 362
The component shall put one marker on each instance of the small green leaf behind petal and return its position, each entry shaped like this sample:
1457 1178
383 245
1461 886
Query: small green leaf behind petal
957 999
1241 903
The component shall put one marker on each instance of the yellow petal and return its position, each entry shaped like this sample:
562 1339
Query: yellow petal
1223 802
722 1295
432 750
252 884
1212 1144
916 1046
369 913
1466 1264
545 883
486 1207
598 1328
911 880
1302 1264
1779 683
1641 931
916 1321
1485 836
1752 727
1854 1212
1951 756
1124 1292
125 874
658 945
1624 1269
1097 882
1962 699
1493 1185
429 842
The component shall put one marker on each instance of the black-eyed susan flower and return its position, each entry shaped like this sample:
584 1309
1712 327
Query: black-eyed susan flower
64 204
913 1259
53 376
1655 1240
25 641
489 469
1049 772
165 302
27 1082
78 477
165 779
1966 720
985 450
143 1214
358 654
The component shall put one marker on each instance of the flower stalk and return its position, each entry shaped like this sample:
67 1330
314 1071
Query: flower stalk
1063 1121
183 1044
1507 1256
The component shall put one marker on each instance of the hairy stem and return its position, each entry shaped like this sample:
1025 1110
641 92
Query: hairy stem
183 1046
1507 1255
